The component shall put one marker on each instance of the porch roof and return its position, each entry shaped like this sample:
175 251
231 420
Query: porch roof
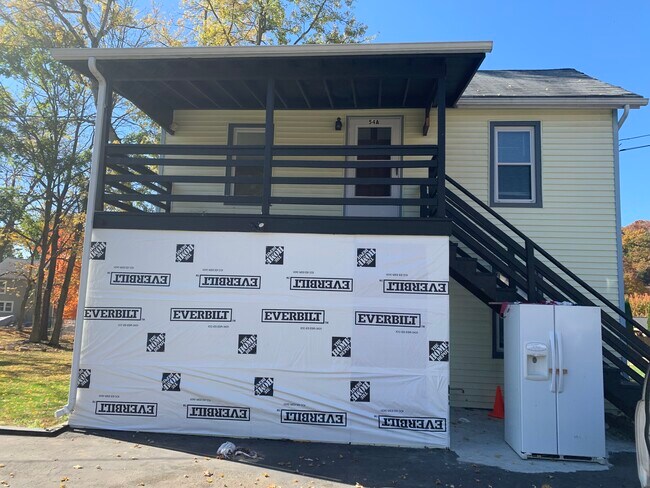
312 77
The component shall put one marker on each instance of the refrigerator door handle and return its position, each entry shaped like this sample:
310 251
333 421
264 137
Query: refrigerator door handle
560 366
552 340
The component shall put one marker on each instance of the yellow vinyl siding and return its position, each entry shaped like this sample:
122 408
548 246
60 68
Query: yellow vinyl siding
577 223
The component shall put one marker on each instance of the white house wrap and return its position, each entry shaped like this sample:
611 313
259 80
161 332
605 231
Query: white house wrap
333 338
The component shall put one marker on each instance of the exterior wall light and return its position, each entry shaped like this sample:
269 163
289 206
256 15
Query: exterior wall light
338 125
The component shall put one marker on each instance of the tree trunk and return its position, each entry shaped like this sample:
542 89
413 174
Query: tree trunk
63 297
44 245
51 274
20 320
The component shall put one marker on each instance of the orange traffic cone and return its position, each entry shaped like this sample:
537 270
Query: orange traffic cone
497 411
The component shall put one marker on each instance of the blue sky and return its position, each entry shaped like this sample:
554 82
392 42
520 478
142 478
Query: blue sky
605 39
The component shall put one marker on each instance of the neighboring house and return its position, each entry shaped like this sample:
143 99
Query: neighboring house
13 286
518 167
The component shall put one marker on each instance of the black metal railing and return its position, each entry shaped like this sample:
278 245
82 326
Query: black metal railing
538 276
136 178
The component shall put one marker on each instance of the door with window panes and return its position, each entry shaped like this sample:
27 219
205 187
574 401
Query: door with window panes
377 131
247 135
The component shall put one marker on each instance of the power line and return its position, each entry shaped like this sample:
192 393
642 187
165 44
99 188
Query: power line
635 137
636 147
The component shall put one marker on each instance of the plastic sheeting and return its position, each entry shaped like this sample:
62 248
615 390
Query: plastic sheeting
313 337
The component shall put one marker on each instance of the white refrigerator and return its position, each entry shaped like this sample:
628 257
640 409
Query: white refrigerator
553 382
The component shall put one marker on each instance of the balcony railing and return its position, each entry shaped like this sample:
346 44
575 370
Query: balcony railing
205 179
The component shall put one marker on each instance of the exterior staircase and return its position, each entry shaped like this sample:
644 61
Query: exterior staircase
498 263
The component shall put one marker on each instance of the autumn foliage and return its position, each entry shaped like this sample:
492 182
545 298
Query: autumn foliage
636 257
69 241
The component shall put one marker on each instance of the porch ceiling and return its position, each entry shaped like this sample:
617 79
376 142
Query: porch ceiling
310 77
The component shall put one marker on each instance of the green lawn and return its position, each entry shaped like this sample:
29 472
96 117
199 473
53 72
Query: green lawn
33 383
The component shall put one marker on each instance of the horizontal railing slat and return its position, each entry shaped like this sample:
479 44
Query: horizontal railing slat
280 180
352 201
182 198
394 163
298 180
278 150
257 201
283 163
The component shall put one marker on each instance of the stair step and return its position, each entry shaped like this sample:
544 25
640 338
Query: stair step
467 266
506 295
624 395
486 282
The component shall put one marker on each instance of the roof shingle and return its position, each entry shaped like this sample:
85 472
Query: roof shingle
552 83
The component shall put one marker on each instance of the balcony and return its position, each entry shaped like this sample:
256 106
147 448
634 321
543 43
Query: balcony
303 189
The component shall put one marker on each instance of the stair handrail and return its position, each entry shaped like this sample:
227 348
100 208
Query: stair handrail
544 253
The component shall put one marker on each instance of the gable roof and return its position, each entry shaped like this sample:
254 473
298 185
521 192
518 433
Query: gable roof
552 87
11 268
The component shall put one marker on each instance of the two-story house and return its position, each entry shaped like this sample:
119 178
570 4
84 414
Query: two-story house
502 184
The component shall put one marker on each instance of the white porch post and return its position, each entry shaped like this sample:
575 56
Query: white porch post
95 163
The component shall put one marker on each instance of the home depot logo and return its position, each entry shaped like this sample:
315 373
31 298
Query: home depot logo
263 386
247 344
428 424
141 279
83 378
129 409
156 342
366 258
341 347
184 253
274 255
321 284
438 351
294 316
313 417
417 287
388 319
98 251
171 382
200 314
113 313
229 281
359 391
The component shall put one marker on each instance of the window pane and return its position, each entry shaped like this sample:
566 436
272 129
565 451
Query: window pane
249 189
249 138
373 136
372 190
514 182
513 146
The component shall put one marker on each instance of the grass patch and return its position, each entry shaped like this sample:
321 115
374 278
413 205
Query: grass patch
34 380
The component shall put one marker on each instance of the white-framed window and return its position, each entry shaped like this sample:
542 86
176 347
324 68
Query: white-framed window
3 286
6 306
247 135
515 164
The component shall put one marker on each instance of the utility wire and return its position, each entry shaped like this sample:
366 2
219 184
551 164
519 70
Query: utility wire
636 147
635 137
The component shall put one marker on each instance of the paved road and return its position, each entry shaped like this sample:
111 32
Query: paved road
124 459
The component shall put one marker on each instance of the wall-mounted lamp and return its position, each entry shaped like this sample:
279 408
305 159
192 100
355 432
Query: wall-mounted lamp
338 125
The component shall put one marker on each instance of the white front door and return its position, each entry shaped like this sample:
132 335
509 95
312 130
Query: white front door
373 131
